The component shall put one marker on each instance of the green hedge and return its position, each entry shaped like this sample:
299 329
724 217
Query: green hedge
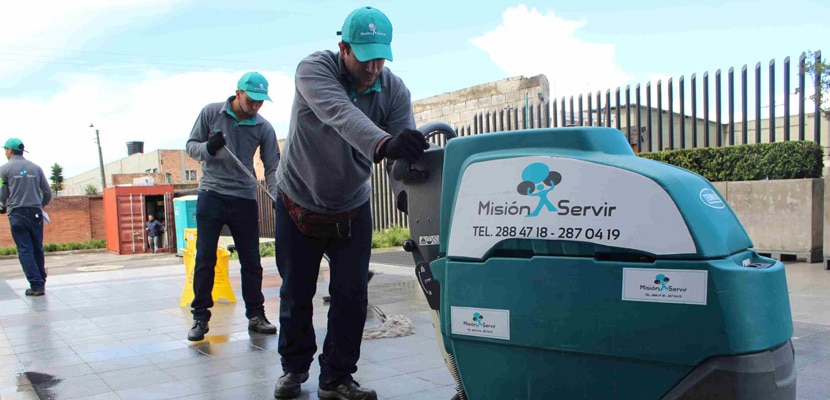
50 247
749 162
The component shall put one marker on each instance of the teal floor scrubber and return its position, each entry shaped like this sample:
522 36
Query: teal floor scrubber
559 265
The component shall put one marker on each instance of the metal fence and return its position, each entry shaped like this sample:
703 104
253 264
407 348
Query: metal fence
666 116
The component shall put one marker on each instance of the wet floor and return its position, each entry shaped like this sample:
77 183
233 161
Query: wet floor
119 334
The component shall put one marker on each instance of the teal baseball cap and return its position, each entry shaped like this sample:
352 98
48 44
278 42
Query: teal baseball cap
14 144
255 86
368 31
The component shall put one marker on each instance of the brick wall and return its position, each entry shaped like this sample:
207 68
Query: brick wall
73 219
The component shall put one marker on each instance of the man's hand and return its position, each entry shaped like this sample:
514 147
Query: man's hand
409 145
215 141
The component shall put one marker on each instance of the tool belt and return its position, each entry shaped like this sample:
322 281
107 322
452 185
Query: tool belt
323 226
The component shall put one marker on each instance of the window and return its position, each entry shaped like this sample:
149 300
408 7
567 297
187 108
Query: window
190 175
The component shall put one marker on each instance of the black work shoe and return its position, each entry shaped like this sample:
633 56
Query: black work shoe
346 391
261 325
288 386
35 292
198 331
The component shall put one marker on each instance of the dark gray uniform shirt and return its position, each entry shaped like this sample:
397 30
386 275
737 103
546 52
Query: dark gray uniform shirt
220 173
24 185
327 158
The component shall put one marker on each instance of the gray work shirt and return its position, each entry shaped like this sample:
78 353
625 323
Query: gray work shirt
220 173
327 157
24 185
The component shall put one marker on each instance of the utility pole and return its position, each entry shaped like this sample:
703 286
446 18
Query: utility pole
100 159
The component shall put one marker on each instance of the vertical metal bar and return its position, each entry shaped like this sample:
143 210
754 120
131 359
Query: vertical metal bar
530 119
718 107
639 119
539 116
548 113
681 93
487 128
659 115
648 118
730 93
581 122
608 108
787 99
599 108
132 222
555 119
590 111
571 111
671 113
618 124
516 118
758 102
801 81
693 88
744 103
628 112
772 100
143 218
706 121
817 83
501 120
564 117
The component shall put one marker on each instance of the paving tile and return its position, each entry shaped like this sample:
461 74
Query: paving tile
135 377
161 391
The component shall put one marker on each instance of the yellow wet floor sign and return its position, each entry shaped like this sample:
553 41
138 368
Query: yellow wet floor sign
221 281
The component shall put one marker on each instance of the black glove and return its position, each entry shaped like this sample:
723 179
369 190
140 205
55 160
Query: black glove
2 209
215 141
409 145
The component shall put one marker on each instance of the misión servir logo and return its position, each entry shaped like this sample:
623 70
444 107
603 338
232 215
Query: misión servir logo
661 283
538 181
478 322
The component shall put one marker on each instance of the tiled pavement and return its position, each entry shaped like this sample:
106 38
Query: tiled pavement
120 334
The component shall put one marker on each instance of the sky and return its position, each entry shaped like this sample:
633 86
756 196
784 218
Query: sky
141 70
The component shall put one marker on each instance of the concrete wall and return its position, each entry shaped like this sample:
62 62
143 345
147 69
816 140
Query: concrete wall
73 219
458 108
781 216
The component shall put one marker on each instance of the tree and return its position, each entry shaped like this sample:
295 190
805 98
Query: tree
57 178
820 71
90 189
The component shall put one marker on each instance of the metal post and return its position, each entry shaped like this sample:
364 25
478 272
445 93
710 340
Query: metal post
100 159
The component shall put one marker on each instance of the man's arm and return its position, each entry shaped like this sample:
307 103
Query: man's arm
269 153
45 190
197 142
319 86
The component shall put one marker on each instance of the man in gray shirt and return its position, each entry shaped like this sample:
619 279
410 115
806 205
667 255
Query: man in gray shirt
24 193
227 196
348 112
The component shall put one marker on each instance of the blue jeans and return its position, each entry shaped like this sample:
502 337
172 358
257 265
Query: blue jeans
298 261
155 242
213 210
27 232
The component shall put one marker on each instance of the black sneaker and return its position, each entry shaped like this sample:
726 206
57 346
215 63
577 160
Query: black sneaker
288 386
198 331
261 325
35 292
346 391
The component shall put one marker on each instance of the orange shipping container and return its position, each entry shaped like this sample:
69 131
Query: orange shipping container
125 213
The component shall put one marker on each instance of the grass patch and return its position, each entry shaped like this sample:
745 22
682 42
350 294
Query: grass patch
391 237
52 247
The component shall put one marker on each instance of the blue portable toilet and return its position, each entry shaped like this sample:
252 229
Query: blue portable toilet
569 268
184 209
